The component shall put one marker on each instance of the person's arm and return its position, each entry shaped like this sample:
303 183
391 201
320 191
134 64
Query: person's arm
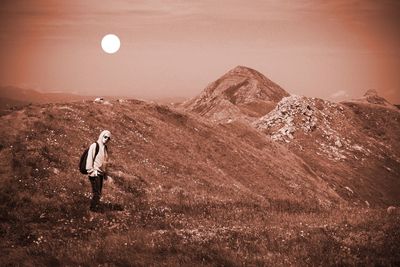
105 163
89 162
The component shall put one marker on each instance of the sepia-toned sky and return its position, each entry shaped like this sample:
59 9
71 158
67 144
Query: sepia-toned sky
330 49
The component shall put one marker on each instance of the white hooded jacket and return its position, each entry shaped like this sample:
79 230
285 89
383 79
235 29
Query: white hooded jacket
98 165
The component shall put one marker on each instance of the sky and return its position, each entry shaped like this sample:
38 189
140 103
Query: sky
329 49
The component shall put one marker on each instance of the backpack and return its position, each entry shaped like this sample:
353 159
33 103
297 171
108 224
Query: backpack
82 162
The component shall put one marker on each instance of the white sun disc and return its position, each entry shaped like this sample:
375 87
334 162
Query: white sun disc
110 43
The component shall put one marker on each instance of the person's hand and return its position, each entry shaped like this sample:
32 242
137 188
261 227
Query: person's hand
94 173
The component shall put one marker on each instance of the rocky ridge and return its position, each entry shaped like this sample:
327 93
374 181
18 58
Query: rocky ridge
352 145
299 115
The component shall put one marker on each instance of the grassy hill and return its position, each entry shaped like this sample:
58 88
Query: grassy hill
181 191
353 146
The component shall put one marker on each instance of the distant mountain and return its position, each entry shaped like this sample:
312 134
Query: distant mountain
32 96
371 97
240 94
12 97
9 103
174 101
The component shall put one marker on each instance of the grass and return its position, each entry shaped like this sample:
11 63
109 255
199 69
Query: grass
228 234
51 232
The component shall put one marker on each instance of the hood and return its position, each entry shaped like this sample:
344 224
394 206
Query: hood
100 140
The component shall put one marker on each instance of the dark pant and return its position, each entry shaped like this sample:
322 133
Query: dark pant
97 185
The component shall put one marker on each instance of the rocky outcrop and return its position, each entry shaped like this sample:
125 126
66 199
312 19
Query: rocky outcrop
352 143
302 117
281 121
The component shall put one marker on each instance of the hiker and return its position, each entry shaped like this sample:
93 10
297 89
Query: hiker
96 167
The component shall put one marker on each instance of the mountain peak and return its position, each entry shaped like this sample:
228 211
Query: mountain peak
371 96
242 92
371 92
241 69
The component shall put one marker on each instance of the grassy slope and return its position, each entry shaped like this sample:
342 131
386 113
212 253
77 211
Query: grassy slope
373 176
191 192
365 168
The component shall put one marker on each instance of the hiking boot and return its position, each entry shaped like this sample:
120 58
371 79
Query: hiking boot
94 209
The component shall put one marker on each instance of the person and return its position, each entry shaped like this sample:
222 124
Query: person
96 168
